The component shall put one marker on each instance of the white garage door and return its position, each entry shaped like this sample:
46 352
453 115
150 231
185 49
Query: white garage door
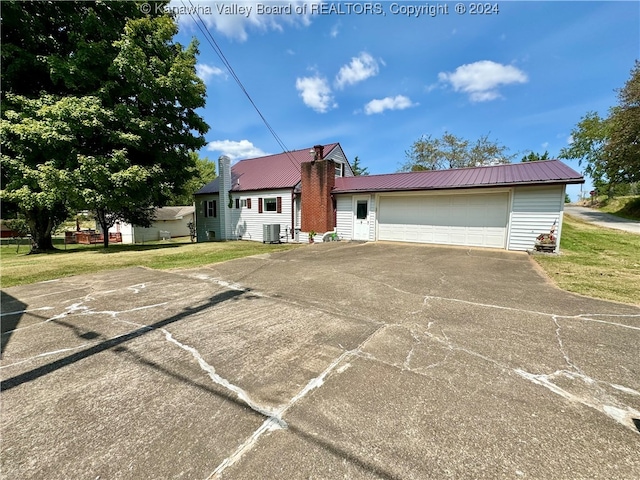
463 219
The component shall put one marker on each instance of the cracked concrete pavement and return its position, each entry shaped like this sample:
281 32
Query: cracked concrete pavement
335 360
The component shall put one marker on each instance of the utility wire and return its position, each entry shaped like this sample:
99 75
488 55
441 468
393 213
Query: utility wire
216 48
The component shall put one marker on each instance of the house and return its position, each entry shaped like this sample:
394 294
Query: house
498 206
267 191
168 222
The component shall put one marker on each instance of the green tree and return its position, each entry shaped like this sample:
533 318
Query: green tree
535 157
488 152
622 150
450 151
203 172
454 151
424 154
358 169
610 147
588 139
111 108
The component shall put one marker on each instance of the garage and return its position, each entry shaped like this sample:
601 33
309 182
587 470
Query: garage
499 206
462 219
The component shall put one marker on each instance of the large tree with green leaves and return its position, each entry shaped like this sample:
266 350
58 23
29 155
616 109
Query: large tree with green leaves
451 151
622 150
204 171
610 147
108 122
588 140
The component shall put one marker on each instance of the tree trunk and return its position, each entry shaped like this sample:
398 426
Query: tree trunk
41 227
101 216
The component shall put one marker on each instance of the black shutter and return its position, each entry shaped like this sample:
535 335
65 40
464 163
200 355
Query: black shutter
237 203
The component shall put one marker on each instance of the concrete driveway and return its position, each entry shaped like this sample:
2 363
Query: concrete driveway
341 360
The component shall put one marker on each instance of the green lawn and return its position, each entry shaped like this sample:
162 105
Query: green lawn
20 268
598 262
625 207
595 261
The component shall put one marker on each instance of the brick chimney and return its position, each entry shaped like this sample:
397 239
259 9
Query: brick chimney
318 152
317 182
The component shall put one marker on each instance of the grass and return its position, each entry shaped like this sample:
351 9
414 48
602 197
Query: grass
20 268
598 262
625 207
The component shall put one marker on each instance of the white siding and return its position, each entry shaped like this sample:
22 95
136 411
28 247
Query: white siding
372 217
204 225
338 156
246 223
344 216
533 212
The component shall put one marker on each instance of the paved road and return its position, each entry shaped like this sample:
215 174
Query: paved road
602 219
359 361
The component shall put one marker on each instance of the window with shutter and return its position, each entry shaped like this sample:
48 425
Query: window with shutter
237 203
248 203
210 208
279 205
259 205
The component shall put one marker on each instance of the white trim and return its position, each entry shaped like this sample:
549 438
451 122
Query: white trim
354 213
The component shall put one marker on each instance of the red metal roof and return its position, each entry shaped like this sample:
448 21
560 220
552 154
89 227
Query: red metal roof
526 173
266 173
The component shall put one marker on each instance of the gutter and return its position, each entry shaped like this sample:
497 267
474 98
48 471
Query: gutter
459 187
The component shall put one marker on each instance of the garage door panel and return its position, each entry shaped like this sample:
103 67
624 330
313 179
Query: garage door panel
464 219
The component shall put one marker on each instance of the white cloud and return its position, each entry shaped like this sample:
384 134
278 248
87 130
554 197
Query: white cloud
316 93
545 145
360 68
206 72
481 80
235 150
236 20
399 102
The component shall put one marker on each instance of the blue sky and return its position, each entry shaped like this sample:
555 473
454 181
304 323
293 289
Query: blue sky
375 76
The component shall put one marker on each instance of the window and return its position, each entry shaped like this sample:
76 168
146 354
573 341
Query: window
210 208
361 209
243 203
270 205
339 169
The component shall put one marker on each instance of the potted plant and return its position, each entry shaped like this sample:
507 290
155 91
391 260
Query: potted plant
546 242
312 234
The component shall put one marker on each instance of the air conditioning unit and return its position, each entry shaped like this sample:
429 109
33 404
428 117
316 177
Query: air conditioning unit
271 233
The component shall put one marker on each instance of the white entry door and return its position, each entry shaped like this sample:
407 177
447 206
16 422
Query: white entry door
361 218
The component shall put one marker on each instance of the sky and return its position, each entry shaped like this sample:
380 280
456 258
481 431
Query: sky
376 76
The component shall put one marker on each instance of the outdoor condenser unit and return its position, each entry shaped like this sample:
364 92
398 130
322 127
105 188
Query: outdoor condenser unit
271 233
